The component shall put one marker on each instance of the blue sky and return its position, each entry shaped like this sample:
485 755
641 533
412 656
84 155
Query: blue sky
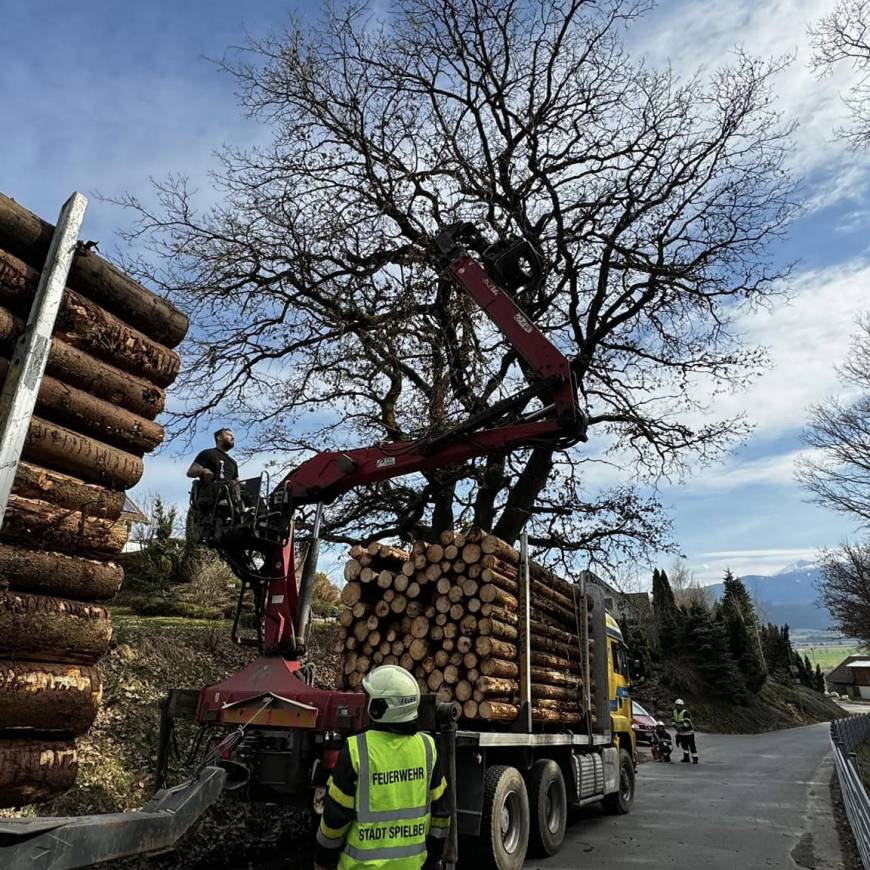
100 96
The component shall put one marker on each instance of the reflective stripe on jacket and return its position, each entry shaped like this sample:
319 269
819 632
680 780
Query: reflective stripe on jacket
683 723
392 801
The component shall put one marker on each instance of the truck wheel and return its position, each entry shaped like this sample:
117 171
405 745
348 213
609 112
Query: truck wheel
504 827
549 808
621 800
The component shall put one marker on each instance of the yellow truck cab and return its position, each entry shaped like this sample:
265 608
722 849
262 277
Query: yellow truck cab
619 688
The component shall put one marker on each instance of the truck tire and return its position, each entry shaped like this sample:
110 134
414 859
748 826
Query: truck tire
504 827
548 803
621 800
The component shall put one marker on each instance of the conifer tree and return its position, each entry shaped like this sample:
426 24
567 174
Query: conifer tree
665 612
706 640
738 617
820 679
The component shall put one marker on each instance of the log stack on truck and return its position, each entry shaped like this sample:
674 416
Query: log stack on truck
449 613
109 363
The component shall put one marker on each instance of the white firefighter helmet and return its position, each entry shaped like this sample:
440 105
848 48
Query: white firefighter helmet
394 695
679 703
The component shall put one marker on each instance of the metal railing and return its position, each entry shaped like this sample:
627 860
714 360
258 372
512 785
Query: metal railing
847 735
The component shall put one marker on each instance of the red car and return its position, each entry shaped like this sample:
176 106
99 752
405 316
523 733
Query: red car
642 723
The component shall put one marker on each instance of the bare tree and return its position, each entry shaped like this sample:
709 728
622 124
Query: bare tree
838 477
845 589
843 37
837 474
321 318
688 592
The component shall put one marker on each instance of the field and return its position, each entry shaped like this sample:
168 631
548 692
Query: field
828 656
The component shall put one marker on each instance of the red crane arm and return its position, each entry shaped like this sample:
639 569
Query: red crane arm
328 475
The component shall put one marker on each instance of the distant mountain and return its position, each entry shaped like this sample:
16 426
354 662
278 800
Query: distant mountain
789 596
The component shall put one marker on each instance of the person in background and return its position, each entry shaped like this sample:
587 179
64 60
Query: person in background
685 731
385 804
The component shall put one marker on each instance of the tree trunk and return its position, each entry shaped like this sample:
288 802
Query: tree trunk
463 690
71 366
493 628
547 660
79 410
490 594
418 649
496 686
32 771
554 677
351 593
64 491
39 628
523 493
489 646
30 522
26 236
68 451
492 667
48 697
87 326
471 553
57 574
470 709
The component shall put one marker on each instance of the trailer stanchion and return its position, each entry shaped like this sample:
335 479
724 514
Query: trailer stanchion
27 366
524 720
446 716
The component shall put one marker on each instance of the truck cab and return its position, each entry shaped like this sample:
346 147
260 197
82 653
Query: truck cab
619 688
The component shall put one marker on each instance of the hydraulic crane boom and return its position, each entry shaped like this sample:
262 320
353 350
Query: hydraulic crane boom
328 475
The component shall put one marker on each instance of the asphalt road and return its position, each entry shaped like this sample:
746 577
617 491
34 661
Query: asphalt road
754 801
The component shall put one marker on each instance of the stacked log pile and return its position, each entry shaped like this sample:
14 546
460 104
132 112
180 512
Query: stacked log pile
109 364
449 613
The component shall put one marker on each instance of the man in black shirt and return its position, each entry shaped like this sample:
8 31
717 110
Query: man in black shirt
218 477
216 463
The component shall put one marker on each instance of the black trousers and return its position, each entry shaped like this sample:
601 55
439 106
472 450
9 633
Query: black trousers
687 743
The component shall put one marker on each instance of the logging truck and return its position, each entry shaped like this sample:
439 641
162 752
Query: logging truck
527 677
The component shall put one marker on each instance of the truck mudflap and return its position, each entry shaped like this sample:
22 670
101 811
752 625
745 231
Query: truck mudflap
65 842
611 769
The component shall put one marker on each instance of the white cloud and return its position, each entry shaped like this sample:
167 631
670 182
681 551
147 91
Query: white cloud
775 470
694 36
806 338
710 567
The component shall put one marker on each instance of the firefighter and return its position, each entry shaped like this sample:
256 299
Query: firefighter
385 804
685 731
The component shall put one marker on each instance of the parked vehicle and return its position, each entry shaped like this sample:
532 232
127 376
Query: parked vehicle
642 723
271 736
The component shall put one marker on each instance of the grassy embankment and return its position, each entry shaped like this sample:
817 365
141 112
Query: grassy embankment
778 705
